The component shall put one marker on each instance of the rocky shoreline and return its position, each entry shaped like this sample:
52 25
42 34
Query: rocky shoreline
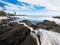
12 33
46 24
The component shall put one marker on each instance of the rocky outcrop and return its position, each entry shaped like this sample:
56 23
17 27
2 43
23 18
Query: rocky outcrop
49 25
46 24
15 34
30 24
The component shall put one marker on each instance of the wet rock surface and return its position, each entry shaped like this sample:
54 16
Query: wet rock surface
15 34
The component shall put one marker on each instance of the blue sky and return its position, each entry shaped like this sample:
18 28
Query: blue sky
35 7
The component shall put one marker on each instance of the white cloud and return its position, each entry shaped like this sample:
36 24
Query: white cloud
49 4
31 1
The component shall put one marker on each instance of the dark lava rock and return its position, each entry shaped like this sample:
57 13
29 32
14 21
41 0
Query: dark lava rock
15 34
49 25
29 24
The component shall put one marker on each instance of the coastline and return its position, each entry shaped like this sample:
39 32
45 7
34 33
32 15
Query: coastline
21 30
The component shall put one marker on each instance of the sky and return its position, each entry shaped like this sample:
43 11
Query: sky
32 7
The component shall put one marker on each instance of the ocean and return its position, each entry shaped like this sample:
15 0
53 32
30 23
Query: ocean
36 18
32 18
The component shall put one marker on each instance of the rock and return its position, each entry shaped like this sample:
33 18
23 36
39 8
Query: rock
5 29
58 17
29 24
4 21
15 34
49 25
34 26
29 41
13 24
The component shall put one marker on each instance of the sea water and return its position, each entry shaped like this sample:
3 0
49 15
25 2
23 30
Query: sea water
37 18
33 18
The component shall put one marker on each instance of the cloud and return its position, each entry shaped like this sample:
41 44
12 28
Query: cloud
24 7
35 7
14 7
30 1
49 4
